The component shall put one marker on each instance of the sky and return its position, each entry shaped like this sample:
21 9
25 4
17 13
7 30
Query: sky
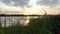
18 5
25 2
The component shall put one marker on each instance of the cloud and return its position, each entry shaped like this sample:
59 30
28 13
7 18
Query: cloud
17 2
49 2
15 5
9 8
25 2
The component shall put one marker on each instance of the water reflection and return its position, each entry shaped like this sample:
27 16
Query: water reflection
15 20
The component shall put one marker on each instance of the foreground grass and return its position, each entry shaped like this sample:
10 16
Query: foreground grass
1 30
36 26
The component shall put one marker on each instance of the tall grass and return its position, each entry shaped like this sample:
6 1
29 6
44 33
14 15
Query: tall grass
1 30
41 26
36 26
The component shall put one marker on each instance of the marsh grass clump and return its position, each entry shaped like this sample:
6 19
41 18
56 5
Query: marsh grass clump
41 25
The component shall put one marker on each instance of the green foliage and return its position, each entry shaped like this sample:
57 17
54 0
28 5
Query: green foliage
1 30
41 26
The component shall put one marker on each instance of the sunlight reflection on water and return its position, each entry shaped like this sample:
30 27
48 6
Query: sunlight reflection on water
9 21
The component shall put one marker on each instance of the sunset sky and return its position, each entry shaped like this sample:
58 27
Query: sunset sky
30 6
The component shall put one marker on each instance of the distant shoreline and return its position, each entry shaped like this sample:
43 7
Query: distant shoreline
25 15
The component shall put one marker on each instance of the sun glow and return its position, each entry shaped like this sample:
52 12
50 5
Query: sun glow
33 9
